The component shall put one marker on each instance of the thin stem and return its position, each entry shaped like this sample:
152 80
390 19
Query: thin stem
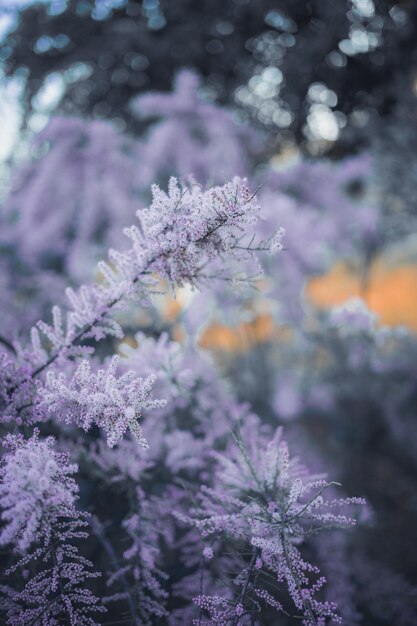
61 588
110 305
100 534
246 584
306 603
107 307
306 506
7 344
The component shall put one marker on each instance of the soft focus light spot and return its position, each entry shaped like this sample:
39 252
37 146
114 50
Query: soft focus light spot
336 59
277 19
282 118
398 15
359 40
10 110
78 71
50 94
272 75
57 7
321 94
43 44
7 23
360 118
364 7
347 47
322 123
224 28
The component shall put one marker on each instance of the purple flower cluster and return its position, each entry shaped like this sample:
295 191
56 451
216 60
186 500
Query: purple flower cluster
37 496
101 398
124 444
265 504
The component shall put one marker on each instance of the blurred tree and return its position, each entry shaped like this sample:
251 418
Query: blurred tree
316 71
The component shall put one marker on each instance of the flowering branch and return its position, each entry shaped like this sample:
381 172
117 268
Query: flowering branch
178 234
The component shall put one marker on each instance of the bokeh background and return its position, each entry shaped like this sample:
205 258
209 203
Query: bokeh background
316 103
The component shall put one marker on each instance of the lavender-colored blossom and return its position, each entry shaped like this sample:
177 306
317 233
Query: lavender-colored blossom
236 526
200 411
75 195
37 497
177 236
102 398
353 316
33 475
268 503
215 145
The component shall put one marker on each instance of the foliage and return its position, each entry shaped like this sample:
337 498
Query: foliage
143 477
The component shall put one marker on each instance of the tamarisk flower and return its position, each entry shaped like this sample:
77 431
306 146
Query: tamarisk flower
67 219
188 226
218 150
32 473
267 505
16 387
181 232
37 498
110 402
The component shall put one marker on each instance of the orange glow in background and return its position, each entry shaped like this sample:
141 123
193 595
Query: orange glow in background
390 292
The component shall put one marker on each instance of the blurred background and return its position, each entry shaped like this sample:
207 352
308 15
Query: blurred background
313 101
